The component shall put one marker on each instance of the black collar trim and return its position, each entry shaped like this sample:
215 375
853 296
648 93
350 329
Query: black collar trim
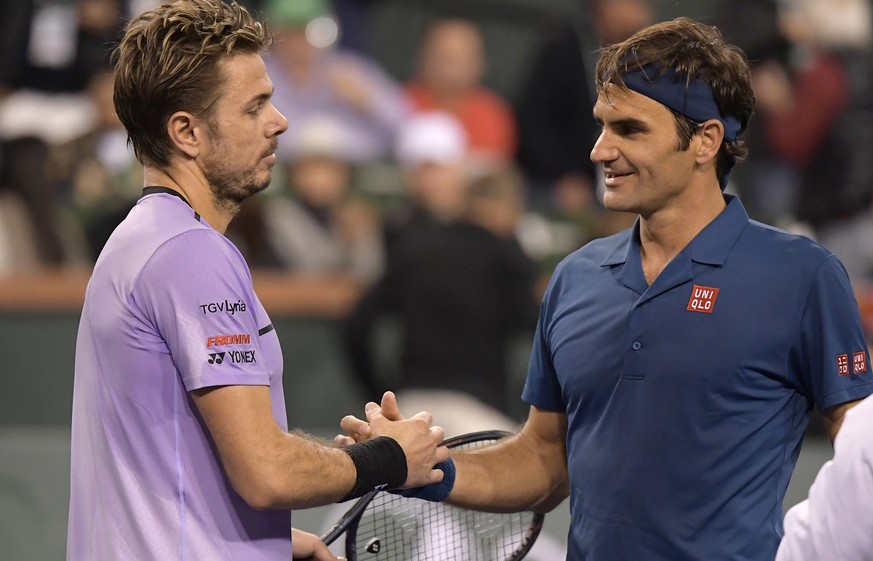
166 190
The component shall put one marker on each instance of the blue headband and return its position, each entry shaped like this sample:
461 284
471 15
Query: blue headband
694 101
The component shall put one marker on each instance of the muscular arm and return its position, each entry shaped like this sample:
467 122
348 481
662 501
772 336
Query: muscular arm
270 468
833 417
527 471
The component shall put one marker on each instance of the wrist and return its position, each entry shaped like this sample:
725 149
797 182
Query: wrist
380 463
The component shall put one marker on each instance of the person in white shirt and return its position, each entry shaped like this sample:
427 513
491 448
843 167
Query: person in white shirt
834 522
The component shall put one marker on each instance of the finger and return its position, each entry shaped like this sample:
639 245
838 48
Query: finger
373 411
343 440
353 426
425 416
438 433
390 408
436 475
441 454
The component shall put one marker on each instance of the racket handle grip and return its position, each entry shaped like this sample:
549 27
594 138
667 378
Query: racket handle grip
435 492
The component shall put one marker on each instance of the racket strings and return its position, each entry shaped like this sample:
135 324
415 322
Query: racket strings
395 528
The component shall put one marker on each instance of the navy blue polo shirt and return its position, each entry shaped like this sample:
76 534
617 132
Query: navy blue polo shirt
687 400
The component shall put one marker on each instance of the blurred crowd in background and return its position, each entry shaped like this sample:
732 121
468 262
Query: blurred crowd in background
446 191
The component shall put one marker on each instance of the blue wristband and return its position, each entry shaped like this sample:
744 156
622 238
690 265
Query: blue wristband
435 492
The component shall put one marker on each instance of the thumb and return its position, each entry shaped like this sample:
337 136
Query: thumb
390 408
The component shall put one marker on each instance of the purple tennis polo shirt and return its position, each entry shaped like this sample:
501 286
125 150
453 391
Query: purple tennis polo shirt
169 309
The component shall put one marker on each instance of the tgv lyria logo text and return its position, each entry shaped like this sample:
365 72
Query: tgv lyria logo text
227 306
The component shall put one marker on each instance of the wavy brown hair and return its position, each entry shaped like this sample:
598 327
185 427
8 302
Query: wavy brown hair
168 62
694 51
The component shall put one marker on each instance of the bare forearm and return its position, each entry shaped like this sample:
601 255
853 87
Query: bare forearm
305 472
290 470
522 472
270 468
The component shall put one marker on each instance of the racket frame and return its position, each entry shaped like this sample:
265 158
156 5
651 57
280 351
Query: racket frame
348 523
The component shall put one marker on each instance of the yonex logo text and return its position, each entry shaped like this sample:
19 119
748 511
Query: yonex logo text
236 357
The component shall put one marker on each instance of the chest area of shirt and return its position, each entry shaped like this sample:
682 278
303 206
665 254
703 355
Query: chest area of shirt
709 326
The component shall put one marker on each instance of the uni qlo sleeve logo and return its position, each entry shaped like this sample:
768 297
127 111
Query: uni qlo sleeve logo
702 299
859 362
843 365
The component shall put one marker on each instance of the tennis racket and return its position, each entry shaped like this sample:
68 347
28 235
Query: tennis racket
382 526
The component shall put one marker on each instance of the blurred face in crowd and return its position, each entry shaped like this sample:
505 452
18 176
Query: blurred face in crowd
320 181
616 20
438 187
100 17
499 214
242 131
100 89
292 46
452 57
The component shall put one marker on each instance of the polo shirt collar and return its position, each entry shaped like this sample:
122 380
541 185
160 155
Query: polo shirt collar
711 246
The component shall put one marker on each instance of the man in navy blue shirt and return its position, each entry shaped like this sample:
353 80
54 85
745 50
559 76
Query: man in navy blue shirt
676 363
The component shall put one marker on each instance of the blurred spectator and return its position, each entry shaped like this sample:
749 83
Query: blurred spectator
320 227
54 46
48 52
18 251
431 151
353 19
767 183
818 117
99 179
557 131
460 291
312 77
451 64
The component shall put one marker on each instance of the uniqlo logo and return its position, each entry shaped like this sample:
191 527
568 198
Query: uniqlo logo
702 299
843 365
859 362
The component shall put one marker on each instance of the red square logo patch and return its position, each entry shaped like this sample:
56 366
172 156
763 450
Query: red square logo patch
859 362
843 365
702 299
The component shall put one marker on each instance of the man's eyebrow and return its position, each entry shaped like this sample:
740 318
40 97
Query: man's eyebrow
261 97
627 123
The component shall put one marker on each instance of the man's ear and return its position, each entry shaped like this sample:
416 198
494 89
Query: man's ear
711 133
186 133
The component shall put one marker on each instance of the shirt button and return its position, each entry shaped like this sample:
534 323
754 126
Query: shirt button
637 345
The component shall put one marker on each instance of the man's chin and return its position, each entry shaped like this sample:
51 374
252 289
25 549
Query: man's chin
258 185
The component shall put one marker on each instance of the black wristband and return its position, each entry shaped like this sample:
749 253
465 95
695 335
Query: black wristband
380 463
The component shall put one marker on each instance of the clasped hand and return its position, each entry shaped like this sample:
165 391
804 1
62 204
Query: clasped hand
416 435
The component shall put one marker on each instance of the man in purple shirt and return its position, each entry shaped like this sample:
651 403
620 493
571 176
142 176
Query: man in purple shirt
180 447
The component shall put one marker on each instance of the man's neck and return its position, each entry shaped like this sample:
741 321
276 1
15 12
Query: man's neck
667 232
193 189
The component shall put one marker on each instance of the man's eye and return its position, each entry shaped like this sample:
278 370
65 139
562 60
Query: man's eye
629 130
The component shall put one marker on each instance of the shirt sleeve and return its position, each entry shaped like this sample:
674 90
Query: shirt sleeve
833 523
542 387
836 368
197 293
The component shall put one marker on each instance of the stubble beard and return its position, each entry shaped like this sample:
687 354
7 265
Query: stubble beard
229 191
229 187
